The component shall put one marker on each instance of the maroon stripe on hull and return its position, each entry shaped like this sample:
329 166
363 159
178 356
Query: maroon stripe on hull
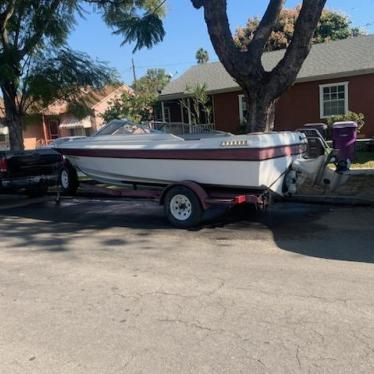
225 154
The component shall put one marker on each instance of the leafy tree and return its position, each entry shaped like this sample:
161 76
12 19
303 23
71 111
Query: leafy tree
261 88
332 26
36 65
202 56
152 82
134 106
139 104
197 97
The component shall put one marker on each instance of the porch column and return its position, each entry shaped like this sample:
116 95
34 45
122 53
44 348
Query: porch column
189 115
45 130
189 112
163 112
182 115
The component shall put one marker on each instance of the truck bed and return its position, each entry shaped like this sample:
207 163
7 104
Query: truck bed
28 169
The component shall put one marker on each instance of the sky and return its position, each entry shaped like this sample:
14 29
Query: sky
185 33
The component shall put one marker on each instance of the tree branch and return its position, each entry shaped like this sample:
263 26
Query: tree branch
4 18
215 14
197 3
285 73
264 29
31 42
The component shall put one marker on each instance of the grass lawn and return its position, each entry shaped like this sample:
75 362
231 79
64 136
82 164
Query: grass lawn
363 160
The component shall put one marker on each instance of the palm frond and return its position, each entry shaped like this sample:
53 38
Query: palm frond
145 31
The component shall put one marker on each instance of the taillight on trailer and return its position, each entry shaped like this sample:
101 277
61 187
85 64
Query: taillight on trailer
3 165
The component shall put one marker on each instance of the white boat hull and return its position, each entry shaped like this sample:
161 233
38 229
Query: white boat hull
230 174
249 161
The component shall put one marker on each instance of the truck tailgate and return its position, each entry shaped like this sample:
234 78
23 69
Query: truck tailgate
32 163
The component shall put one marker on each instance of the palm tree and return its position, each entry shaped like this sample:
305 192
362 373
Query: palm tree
202 56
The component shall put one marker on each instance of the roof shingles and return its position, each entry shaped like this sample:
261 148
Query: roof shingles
347 57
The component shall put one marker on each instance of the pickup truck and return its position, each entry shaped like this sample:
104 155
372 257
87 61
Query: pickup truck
29 171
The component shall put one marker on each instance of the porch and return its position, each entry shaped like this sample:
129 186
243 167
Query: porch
65 125
182 116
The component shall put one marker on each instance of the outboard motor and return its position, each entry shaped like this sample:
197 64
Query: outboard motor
315 166
344 136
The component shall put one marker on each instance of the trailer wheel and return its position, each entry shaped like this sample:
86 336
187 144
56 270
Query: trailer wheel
68 179
182 207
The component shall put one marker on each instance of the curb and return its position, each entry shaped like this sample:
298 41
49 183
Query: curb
333 200
357 172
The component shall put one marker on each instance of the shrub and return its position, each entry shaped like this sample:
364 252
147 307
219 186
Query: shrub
359 118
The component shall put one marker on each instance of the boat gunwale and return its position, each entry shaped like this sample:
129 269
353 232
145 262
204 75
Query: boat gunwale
209 154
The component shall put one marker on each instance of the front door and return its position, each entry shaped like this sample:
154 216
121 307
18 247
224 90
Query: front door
53 127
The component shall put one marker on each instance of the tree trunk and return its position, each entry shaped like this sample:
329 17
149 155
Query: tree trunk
261 113
13 118
246 67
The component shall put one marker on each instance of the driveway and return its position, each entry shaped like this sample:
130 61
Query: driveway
96 286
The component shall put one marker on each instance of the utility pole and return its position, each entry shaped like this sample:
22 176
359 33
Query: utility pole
133 69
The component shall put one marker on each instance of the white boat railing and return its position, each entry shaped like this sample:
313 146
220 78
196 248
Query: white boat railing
180 128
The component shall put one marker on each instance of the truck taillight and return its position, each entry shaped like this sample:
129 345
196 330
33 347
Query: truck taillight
3 165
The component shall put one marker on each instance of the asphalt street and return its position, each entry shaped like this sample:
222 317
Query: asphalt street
108 286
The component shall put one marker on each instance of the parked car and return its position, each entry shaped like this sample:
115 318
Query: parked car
29 171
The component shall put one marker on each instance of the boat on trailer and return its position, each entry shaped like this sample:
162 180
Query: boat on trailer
123 153
198 168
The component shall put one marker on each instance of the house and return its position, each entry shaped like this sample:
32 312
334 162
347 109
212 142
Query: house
337 77
62 118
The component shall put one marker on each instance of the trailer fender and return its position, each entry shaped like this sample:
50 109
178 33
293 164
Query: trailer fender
193 186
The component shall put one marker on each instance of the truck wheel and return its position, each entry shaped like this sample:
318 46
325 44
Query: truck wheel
68 179
182 207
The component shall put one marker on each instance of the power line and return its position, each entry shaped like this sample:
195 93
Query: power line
162 65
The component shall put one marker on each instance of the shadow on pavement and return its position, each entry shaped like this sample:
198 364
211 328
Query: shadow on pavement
312 230
322 231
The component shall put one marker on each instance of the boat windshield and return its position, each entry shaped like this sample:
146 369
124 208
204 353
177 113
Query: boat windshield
124 127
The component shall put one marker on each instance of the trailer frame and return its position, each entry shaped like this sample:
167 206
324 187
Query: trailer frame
206 196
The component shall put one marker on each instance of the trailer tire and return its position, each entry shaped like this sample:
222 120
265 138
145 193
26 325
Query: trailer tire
182 207
68 180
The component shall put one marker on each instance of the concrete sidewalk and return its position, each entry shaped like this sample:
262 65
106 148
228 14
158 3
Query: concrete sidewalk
359 190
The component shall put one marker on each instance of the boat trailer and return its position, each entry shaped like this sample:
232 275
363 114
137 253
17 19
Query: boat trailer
184 202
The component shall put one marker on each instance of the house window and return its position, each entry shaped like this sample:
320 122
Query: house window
333 99
243 108
78 131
